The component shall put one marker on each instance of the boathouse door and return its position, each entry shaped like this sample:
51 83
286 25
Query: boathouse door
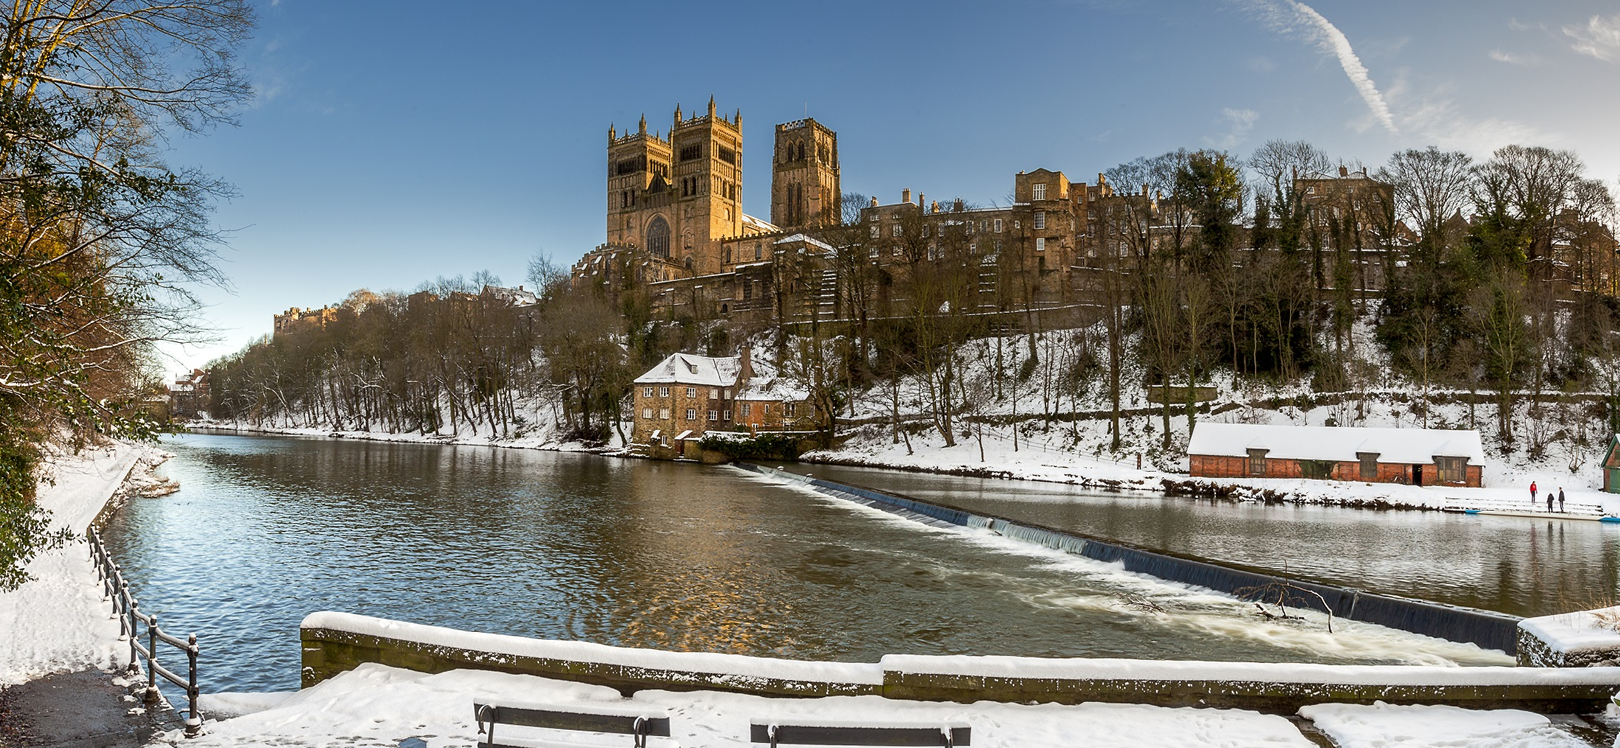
1417 475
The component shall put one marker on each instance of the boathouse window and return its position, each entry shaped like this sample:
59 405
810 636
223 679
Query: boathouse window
747 409
1257 462
1369 465
1453 469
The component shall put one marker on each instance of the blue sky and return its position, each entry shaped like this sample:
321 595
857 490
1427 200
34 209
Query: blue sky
394 142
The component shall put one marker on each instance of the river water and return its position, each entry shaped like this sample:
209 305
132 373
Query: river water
649 554
1511 565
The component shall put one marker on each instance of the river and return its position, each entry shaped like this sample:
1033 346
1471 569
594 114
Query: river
649 554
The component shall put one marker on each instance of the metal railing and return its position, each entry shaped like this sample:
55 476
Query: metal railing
129 614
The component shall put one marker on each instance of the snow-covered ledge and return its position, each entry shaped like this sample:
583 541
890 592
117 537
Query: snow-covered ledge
1588 638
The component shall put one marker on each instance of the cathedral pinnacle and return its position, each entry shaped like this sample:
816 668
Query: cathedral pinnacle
677 114
711 105
643 124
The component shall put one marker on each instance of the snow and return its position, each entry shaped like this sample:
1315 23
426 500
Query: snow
59 622
1173 670
685 368
1583 631
1390 726
738 666
1406 445
379 705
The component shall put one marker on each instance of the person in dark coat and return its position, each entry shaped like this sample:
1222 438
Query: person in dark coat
1549 500
1560 499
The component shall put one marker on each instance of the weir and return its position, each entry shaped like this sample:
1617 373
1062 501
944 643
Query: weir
1487 629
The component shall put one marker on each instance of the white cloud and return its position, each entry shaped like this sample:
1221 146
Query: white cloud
1292 17
1239 122
1515 59
1599 38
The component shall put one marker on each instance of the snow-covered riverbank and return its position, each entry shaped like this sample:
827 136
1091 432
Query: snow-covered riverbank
59 622
995 456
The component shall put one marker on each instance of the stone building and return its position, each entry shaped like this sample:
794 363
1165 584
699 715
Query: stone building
685 396
304 319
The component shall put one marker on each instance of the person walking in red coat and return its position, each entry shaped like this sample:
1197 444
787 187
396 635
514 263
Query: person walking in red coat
1532 494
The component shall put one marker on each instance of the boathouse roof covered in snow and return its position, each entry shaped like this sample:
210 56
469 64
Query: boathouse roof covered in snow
1341 444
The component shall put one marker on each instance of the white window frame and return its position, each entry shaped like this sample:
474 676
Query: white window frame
691 414
897 230
874 231
691 392
646 392
663 392
1040 244
1040 220
663 414
646 413
714 415
998 225
1037 191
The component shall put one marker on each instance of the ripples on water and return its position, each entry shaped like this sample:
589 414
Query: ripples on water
638 553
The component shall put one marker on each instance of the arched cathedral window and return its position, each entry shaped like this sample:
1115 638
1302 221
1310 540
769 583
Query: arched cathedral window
658 237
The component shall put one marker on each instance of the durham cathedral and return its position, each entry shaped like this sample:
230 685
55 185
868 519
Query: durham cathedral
676 232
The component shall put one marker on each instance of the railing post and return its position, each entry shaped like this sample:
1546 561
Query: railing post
193 719
151 660
134 654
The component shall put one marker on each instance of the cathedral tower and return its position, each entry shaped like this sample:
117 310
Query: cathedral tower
677 198
804 176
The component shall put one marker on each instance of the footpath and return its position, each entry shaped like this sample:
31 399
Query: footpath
61 660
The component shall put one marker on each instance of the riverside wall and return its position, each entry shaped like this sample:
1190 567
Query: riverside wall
334 643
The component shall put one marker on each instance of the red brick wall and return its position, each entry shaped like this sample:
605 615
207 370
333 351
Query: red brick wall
1218 466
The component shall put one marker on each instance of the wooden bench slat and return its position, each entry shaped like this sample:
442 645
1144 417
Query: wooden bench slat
875 735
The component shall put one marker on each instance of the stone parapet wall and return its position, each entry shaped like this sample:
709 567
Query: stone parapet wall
334 643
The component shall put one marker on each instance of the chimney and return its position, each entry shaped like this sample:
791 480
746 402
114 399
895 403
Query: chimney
745 365
920 201
905 195
959 206
1344 171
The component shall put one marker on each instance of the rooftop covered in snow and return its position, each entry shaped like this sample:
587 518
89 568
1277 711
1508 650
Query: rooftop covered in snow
685 368
1399 445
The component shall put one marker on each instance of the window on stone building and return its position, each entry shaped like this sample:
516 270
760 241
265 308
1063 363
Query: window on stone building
691 152
691 414
1040 219
714 393
874 231
759 251
714 415
788 409
663 413
747 409
646 412
998 225
663 392
1040 244
1038 192
1257 462
925 231
725 415
896 230
658 237
691 392
646 392
725 392
765 409
872 253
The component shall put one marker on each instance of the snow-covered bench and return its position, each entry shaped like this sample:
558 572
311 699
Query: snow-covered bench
639 724
948 735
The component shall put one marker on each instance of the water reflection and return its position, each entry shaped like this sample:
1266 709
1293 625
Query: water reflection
636 553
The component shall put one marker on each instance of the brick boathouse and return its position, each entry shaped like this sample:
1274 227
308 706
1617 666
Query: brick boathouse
1420 457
